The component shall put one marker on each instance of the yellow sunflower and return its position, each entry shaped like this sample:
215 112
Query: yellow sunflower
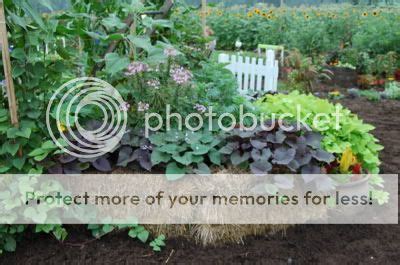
250 14
257 11
365 14
375 13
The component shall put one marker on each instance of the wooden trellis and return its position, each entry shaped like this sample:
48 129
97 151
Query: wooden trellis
12 102
204 16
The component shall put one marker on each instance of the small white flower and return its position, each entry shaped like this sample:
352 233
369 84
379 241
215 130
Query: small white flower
143 106
124 107
200 108
238 44
154 83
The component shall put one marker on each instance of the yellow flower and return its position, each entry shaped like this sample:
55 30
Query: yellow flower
348 159
269 17
375 13
250 14
391 78
61 126
334 93
257 11
365 14
264 14
306 16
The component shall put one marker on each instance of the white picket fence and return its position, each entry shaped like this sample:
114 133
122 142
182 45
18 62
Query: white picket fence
254 74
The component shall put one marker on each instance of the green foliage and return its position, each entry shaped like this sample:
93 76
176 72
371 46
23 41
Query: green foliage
59 232
352 132
187 35
158 242
184 152
218 87
9 235
134 231
41 64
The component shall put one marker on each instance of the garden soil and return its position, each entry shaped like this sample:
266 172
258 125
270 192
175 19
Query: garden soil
302 244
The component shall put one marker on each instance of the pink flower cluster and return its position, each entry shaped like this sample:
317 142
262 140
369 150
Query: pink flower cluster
136 68
181 76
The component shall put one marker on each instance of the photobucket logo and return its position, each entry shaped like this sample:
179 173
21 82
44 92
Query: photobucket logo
68 102
318 121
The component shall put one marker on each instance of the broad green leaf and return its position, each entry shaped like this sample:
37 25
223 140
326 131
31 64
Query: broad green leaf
112 21
171 149
115 63
20 21
202 169
11 148
174 172
18 53
49 145
41 157
37 152
4 169
143 236
24 132
18 162
141 42
200 149
12 133
157 139
30 11
215 157
10 244
186 159
158 157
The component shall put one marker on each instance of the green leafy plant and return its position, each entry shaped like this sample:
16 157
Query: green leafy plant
184 152
352 132
158 243
134 231
392 91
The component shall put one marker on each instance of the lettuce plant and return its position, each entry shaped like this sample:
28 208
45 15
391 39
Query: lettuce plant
352 131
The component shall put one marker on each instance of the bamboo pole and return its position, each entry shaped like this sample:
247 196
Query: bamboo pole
204 16
12 102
